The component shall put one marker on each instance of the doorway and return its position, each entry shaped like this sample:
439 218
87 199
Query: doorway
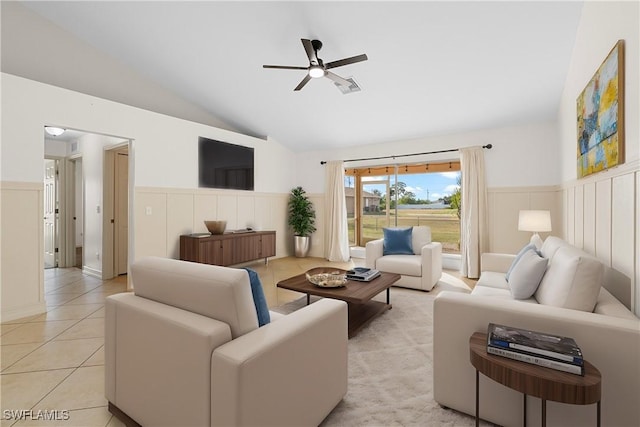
121 210
51 211
91 203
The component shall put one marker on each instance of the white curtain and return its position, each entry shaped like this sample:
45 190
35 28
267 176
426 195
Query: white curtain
336 236
474 229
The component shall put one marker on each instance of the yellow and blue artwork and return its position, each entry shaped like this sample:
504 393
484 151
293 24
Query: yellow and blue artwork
600 116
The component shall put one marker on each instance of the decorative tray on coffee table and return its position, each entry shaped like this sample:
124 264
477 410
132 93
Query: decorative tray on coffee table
327 277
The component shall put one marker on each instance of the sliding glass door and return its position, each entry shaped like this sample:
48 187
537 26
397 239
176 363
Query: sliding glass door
404 196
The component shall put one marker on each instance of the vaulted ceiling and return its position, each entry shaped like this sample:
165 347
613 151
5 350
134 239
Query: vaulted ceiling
434 67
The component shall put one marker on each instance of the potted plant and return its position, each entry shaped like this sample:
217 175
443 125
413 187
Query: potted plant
302 218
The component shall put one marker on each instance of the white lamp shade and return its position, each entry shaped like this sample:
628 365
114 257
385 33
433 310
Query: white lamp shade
535 221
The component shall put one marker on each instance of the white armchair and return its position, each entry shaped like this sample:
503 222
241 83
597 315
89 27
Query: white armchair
422 270
185 349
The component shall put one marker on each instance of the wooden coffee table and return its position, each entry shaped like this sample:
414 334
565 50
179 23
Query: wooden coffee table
357 295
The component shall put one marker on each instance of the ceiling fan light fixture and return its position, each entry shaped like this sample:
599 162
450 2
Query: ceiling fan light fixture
54 131
315 71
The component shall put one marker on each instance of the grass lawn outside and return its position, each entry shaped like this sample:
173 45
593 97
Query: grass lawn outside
444 223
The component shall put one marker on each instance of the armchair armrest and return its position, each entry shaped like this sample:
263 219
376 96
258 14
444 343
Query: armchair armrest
601 338
431 264
288 373
499 263
373 251
157 359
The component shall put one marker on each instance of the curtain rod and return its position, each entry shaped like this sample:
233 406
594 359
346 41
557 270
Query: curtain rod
488 146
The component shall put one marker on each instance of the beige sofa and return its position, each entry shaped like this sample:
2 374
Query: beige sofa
609 336
185 350
422 270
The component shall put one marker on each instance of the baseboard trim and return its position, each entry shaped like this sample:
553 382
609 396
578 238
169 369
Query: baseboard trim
92 272
19 313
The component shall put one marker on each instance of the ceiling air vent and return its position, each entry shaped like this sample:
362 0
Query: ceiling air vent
353 87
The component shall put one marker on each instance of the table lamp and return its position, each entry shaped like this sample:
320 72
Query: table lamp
535 221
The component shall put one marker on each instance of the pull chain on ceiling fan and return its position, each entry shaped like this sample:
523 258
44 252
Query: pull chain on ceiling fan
317 68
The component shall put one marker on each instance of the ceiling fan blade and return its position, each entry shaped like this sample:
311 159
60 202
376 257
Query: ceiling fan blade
336 78
285 67
303 82
311 52
346 61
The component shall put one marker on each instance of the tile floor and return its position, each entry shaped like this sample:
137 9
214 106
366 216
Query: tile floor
55 361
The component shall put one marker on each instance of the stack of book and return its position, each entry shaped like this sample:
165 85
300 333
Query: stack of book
362 274
538 348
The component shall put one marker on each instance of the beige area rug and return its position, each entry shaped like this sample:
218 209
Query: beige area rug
390 365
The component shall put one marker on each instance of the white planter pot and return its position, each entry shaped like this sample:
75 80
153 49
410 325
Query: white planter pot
301 246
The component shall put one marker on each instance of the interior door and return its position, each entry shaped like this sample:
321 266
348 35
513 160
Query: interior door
121 211
50 214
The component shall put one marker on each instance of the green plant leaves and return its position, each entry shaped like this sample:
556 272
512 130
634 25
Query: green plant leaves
301 213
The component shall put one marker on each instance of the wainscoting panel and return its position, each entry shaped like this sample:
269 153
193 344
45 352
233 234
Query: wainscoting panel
246 211
180 208
636 295
22 272
602 218
151 225
228 210
589 236
504 207
205 207
603 221
164 214
578 219
622 216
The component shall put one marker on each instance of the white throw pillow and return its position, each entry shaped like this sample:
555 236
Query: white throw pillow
527 274
526 248
572 280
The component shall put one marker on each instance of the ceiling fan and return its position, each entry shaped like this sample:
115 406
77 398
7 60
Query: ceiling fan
317 68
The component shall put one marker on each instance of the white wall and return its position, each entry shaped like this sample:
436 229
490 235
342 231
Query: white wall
165 156
520 155
601 211
601 26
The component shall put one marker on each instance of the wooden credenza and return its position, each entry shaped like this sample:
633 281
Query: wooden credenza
229 248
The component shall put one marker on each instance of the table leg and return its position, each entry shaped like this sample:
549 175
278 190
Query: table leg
599 413
544 413
388 299
524 406
308 299
477 399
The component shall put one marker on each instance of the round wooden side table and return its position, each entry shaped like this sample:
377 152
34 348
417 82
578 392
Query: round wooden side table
534 380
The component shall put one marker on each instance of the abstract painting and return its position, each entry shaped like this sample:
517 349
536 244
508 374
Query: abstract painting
600 109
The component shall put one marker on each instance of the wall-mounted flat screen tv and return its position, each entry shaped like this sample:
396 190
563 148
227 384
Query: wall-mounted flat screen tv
224 165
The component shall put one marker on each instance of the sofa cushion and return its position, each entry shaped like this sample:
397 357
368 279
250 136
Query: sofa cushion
406 265
397 241
572 280
492 279
420 236
527 274
525 249
551 245
485 291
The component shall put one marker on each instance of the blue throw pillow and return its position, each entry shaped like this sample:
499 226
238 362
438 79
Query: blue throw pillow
397 241
258 298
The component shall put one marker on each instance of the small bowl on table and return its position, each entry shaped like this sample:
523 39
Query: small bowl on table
216 227
327 277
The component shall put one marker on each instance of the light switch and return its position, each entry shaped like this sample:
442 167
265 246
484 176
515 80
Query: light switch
98 209
148 210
